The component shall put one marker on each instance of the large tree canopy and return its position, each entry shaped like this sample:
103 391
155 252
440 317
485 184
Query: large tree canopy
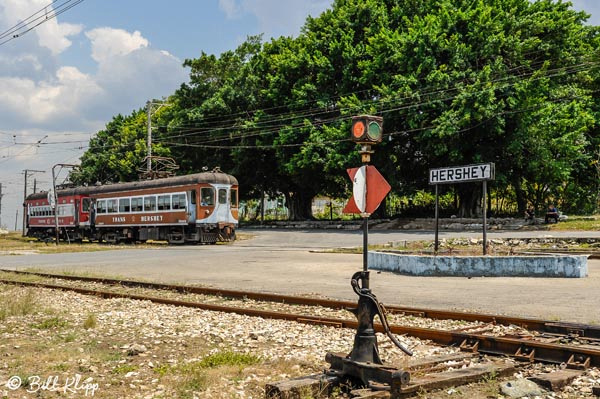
457 81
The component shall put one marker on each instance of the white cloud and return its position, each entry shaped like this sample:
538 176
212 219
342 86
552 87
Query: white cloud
591 7
62 97
51 34
275 17
110 42
230 7
26 102
284 17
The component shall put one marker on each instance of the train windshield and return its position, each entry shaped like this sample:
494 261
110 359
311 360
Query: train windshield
233 197
85 205
222 196
207 195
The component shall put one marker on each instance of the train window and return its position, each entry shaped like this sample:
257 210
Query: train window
85 205
136 204
112 205
101 206
222 196
164 202
149 204
193 196
233 197
207 195
178 201
124 205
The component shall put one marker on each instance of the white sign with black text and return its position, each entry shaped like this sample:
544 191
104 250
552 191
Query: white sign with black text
461 174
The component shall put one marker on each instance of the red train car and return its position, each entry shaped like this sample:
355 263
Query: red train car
73 211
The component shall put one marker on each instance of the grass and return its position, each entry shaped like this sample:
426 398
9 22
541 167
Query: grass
585 223
51 323
90 321
228 358
17 305
14 244
197 376
124 369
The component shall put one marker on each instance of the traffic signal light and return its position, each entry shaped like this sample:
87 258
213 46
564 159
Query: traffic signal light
367 129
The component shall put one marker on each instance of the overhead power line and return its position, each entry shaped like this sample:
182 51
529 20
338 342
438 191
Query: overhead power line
43 15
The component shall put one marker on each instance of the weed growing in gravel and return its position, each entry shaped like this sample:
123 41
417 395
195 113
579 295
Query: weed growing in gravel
195 382
197 376
60 367
306 393
124 369
52 322
228 358
70 337
19 305
90 321
491 384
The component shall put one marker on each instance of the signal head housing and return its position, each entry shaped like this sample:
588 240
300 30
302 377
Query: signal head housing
367 129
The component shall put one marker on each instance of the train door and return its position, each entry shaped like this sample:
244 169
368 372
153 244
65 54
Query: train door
222 203
191 206
76 212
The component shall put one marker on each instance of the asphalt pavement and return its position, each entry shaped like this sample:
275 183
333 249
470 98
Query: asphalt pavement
292 262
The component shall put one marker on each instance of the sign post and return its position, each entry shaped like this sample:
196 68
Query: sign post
462 174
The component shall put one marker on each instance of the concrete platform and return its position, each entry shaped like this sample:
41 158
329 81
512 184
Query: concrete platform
569 266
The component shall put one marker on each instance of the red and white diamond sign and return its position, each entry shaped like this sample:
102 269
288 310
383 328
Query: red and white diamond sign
368 190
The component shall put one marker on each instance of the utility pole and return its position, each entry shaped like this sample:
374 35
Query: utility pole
149 105
34 186
55 198
1 195
26 172
16 219
149 140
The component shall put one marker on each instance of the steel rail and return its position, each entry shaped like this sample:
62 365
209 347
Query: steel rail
546 326
521 349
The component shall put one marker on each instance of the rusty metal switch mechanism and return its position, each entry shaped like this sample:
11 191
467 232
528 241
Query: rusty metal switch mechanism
363 365
365 342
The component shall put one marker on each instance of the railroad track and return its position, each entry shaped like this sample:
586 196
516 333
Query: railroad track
572 344
552 343
564 331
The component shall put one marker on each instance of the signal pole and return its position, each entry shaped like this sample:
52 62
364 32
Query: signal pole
26 172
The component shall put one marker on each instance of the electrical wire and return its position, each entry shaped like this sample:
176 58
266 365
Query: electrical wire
15 32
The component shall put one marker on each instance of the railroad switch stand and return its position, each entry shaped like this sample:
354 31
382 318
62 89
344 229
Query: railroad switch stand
363 365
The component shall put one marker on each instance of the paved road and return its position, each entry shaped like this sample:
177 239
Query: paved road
289 262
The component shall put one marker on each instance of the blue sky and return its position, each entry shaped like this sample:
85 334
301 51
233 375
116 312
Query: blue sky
65 80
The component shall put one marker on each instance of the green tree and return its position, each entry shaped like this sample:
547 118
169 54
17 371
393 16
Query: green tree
457 81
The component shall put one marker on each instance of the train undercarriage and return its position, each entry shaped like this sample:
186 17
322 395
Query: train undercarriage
190 234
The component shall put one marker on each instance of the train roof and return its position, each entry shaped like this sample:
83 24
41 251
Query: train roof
204 177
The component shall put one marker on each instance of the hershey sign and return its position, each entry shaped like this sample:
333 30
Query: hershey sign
460 174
